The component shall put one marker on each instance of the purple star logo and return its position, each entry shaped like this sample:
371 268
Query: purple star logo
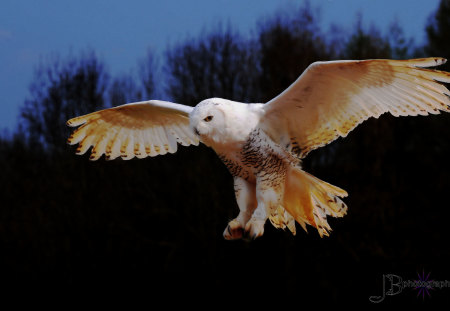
423 285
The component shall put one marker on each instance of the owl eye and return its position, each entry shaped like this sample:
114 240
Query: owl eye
208 118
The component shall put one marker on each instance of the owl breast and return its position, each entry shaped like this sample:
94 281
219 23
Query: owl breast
257 156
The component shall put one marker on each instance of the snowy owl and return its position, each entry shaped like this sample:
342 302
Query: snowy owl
263 144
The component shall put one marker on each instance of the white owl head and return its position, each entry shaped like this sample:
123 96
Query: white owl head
209 119
218 121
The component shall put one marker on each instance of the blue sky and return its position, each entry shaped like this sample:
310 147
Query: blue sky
120 32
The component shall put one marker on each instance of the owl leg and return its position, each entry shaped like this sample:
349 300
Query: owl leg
246 200
269 194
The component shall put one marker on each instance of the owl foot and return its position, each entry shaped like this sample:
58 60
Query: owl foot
233 231
254 229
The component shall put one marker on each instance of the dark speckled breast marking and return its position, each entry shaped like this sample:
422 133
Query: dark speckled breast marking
235 168
259 157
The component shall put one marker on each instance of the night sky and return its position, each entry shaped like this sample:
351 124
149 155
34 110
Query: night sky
121 32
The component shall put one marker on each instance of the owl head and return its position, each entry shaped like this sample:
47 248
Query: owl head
220 121
209 120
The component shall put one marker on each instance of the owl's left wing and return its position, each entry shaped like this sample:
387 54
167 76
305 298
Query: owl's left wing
140 129
331 98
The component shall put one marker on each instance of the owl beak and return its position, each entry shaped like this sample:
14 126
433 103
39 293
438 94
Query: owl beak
196 131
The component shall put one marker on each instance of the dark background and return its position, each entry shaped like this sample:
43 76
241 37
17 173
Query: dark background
155 225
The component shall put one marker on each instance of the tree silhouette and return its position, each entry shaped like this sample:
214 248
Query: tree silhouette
401 47
61 90
148 68
364 44
127 88
220 64
438 31
288 42
124 90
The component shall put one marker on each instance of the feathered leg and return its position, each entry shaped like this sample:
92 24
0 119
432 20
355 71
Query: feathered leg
246 200
269 195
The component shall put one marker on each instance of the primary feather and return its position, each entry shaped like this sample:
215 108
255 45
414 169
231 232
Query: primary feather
140 129
331 98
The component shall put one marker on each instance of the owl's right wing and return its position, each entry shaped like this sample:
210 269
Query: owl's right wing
139 129
331 98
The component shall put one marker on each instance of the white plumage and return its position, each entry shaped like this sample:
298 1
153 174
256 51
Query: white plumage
262 144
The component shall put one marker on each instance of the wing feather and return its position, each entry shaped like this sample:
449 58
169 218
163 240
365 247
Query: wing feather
113 148
133 130
331 98
85 144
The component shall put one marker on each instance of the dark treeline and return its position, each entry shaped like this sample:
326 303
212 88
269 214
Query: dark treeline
156 224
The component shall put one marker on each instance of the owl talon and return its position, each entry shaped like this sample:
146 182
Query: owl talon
233 231
254 229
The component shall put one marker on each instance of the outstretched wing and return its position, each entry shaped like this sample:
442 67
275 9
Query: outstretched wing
331 98
140 129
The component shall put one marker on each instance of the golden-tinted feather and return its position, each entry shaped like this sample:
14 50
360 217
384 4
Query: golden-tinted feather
133 130
281 219
331 98
310 200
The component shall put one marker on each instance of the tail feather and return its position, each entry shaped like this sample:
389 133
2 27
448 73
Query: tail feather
310 200
281 219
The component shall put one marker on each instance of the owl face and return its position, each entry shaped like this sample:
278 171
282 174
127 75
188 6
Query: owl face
221 123
208 120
